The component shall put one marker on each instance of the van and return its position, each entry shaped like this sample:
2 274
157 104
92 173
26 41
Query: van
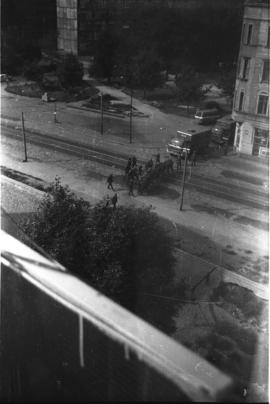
188 140
205 116
224 130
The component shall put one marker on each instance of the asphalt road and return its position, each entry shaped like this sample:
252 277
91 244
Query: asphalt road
211 186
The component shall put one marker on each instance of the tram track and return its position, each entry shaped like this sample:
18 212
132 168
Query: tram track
211 186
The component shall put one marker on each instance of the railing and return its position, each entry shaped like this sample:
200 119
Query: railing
62 340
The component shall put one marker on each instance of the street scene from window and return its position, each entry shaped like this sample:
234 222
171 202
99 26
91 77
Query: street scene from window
134 200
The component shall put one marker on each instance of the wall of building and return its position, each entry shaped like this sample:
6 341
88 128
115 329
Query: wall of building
250 124
67 26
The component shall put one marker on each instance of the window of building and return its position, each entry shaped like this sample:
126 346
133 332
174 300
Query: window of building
262 104
241 101
265 71
249 34
244 68
243 33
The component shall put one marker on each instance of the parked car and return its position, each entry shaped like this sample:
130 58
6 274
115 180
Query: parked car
224 130
206 116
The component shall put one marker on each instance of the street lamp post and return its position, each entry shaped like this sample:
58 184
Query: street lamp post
130 116
24 140
101 112
183 178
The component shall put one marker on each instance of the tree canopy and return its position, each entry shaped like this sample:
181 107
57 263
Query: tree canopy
123 252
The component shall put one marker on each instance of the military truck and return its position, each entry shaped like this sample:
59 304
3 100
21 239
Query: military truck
192 138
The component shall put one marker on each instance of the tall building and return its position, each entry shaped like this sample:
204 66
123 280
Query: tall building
251 98
79 22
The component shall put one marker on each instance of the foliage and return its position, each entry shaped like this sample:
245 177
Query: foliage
152 177
15 52
189 84
123 252
227 81
60 226
70 71
145 70
105 55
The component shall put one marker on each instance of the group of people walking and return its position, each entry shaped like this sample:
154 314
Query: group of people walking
135 173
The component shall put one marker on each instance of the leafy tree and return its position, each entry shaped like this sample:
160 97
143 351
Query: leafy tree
105 55
189 84
123 252
70 71
227 81
145 70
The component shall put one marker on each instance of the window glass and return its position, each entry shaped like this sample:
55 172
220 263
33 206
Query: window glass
265 72
241 101
262 104
249 34
243 33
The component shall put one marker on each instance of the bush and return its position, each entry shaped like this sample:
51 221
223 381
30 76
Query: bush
122 252
70 71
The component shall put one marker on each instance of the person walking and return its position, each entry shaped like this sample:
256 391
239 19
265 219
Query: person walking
193 158
114 200
178 162
130 187
110 182
133 161
108 201
128 166
158 159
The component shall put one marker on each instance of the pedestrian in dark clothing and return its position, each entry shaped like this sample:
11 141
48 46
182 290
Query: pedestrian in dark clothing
108 201
140 170
130 186
110 182
128 166
133 161
114 200
178 162
169 166
158 158
193 158
149 164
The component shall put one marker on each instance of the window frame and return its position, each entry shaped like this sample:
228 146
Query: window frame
266 96
264 67
249 34
244 68
241 100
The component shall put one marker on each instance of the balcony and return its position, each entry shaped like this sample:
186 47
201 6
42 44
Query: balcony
62 340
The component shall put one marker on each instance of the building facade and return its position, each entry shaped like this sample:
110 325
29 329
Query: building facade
79 22
251 98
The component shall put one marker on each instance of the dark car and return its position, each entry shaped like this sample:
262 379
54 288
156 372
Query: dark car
223 131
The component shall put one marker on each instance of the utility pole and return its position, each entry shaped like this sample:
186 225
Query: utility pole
55 119
183 178
24 140
130 116
101 112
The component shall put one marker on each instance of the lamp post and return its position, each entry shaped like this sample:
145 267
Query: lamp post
130 117
183 178
24 140
101 113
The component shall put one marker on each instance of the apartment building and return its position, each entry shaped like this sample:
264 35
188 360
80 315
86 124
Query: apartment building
251 98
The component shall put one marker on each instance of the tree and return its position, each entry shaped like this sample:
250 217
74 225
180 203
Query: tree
70 71
105 55
188 84
122 252
227 80
145 70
